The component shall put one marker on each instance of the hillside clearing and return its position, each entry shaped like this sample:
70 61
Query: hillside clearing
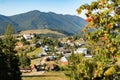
41 31
35 52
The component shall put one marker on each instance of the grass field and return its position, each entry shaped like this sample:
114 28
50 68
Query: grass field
35 52
48 76
35 61
41 31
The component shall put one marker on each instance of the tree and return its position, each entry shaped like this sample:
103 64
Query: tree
9 57
25 60
102 32
34 40
24 41
4 65
9 40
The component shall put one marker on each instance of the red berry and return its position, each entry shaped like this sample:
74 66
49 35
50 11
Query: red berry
89 19
109 26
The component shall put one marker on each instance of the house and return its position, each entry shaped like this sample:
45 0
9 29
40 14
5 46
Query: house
69 41
19 44
28 36
64 60
42 54
25 70
66 51
40 67
81 39
71 44
88 56
81 50
58 52
52 67
51 58
79 43
40 42
46 49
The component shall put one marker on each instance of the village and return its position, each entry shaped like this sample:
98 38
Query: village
60 40
51 55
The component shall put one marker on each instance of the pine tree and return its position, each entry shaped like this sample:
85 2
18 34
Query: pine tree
11 59
9 40
4 65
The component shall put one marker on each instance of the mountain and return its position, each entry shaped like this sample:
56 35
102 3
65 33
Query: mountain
4 21
67 24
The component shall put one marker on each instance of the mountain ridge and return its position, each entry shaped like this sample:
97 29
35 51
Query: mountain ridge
43 20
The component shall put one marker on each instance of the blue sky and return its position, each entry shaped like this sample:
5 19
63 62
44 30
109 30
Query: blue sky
12 7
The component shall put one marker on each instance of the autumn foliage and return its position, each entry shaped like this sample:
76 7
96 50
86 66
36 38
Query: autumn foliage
103 36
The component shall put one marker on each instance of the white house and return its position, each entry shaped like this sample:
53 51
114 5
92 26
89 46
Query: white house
46 48
28 36
63 59
88 56
81 50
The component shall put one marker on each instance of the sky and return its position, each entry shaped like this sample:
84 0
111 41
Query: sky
13 7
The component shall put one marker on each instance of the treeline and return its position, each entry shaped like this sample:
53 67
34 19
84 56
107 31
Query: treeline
50 35
63 31
9 61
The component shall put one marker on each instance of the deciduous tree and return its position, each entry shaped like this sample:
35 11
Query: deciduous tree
102 32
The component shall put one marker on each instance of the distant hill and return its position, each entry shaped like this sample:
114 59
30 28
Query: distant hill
4 21
67 24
